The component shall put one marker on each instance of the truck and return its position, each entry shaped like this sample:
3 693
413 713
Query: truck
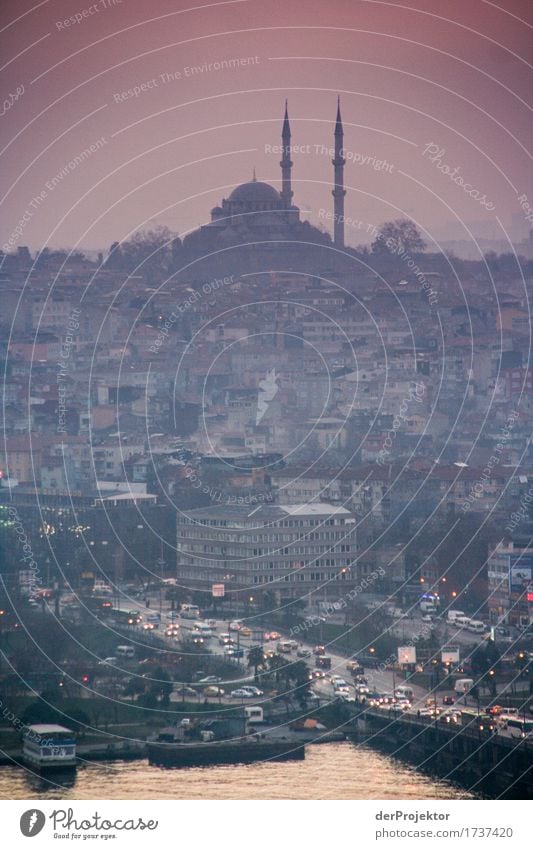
253 714
454 614
463 686
190 611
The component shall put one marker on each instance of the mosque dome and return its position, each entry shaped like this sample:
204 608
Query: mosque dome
255 192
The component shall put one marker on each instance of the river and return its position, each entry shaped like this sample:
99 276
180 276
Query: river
330 771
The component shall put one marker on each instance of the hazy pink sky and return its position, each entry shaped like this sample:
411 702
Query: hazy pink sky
455 74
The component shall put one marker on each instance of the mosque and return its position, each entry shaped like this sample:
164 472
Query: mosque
258 228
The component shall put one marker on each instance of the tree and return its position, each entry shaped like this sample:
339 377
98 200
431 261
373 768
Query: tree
276 664
485 660
161 686
255 658
399 237
148 251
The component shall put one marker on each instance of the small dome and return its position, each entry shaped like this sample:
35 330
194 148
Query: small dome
255 192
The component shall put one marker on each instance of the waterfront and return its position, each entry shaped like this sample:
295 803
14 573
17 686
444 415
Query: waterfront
333 771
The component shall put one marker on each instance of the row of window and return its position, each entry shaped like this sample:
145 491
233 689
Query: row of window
284 523
332 536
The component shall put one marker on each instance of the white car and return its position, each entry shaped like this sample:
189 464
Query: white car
303 653
255 691
241 693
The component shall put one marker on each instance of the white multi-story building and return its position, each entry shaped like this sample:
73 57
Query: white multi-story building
294 550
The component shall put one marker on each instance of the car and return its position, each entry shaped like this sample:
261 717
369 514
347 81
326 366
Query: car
338 680
448 700
354 667
503 632
246 631
148 626
210 679
269 653
427 617
241 693
266 636
108 661
225 639
316 673
186 691
363 690
154 618
198 641
275 636
311 697
346 697
303 653
213 691
450 717
236 625
231 652
342 691
319 650
255 691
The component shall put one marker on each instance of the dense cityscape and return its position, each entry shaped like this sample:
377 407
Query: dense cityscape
266 482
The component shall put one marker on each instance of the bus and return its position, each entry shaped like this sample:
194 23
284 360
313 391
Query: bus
124 617
519 727
190 611
203 629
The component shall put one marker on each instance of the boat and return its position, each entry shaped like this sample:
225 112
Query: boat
240 750
48 747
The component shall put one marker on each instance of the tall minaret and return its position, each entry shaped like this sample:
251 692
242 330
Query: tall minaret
339 190
286 164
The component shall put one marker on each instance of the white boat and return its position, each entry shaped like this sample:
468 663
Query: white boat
49 747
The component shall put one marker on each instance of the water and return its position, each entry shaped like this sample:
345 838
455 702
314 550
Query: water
330 771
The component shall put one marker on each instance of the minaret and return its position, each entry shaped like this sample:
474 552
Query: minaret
339 190
286 164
